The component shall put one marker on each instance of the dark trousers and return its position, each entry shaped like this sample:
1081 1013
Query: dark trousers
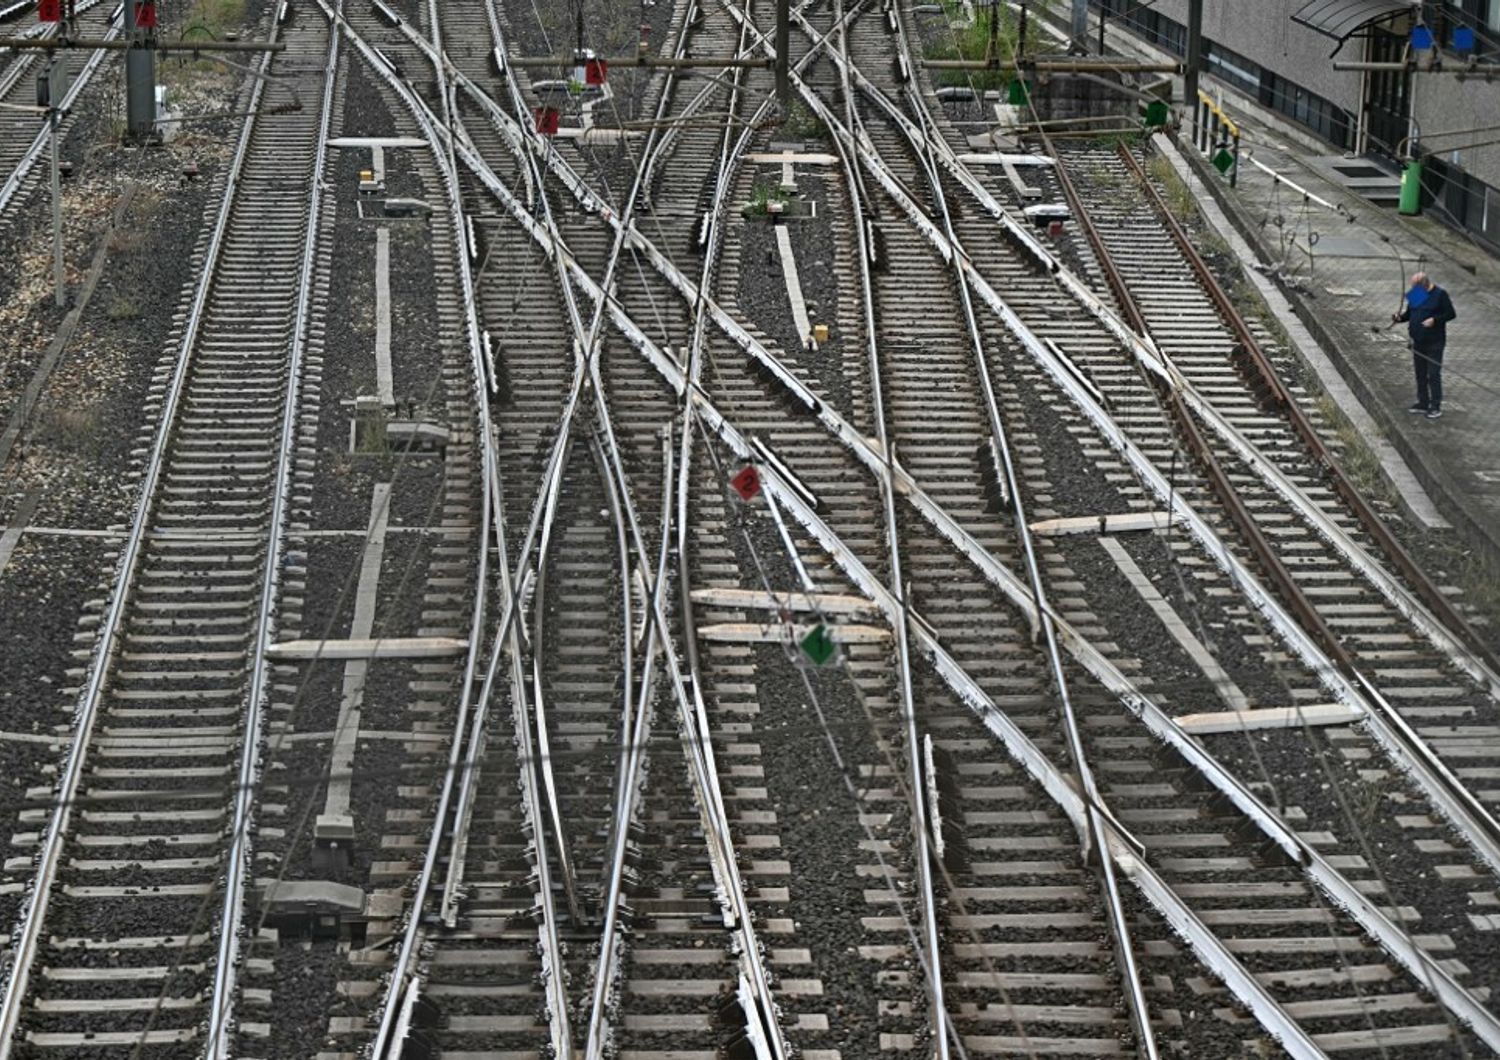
1427 362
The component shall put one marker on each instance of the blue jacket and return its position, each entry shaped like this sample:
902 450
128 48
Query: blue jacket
1437 307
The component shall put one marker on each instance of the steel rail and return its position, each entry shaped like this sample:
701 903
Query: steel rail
761 1013
541 762
221 1013
588 347
709 798
22 62
18 66
48 856
921 828
697 738
725 867
1401 742
636 734
731 153
540 522
38 147
1407 602
552 493
1212 952
1394 939
1120 846
548 941
398 983
632 767
1281 400
755 996
755 979
1096 836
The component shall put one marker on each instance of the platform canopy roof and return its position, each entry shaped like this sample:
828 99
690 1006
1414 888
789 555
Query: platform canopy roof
1340 19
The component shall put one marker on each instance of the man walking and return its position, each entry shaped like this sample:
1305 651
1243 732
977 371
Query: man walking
1427 312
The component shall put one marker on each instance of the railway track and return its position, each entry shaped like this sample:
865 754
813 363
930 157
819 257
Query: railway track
1046 488
574 715
130 932
613 908
24 137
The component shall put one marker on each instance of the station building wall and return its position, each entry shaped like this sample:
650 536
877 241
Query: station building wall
1258 50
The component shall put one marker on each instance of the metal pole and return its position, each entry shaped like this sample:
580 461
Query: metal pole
1079 31
783 47
140 78
59 283
1194 58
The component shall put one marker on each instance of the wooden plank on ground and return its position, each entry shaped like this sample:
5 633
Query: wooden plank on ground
1269 718
828 603
370 648
1118 523
757 633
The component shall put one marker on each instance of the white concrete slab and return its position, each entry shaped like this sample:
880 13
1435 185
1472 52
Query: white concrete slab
1228 691
1001 158
1024 190
801 158
12 535
793 283
376 141
384 381
336 821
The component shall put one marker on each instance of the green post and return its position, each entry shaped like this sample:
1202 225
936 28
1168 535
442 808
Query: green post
1411 188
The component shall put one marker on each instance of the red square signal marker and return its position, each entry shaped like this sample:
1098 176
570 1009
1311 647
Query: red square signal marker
595 71
547 120
49 10
746 483
145 16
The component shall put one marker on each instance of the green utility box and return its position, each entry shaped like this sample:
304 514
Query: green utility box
1411 188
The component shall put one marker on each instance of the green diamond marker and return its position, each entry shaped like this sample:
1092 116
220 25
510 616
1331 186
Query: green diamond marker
1017 93
818 645
1156 113
1223 160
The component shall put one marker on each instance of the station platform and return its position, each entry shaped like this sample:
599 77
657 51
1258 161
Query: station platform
1334 276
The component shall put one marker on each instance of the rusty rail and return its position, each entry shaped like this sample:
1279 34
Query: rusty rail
1270 562
1258 367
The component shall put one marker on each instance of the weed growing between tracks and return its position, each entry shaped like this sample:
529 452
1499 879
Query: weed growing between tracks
761 199
801 124
1178 198
955 38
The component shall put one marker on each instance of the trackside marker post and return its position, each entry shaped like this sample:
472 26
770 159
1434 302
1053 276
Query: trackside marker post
819 645
746 483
